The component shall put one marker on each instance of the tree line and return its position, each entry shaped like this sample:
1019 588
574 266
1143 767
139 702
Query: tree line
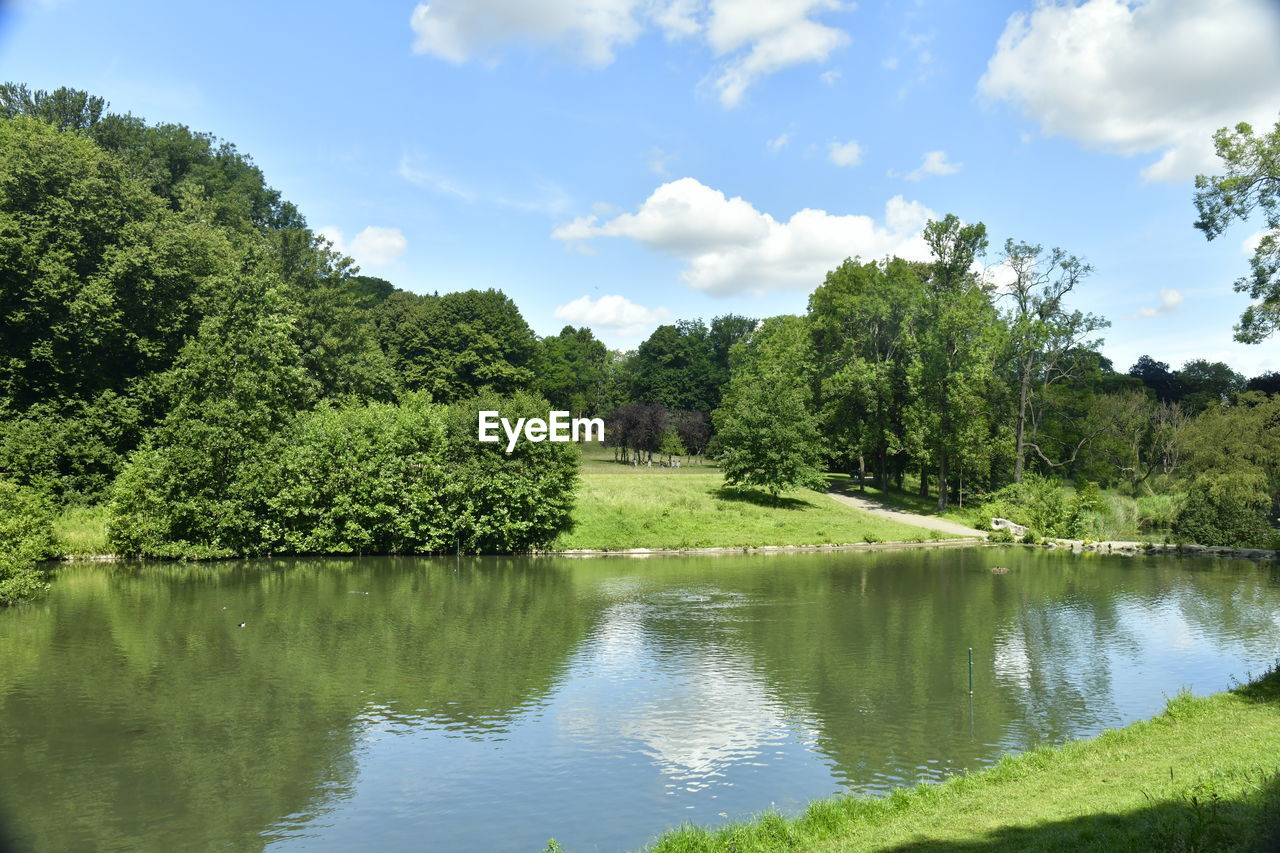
173 335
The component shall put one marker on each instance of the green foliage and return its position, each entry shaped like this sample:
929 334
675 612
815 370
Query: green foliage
1043 505
767 436
1228 508
1251 183
359 478
26 538
573 371
235 384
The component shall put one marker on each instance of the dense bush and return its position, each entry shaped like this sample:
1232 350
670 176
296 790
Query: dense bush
1043 505
377 478
26 537
1227 509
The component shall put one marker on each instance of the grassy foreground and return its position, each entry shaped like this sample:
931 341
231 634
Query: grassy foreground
1204 775
689 507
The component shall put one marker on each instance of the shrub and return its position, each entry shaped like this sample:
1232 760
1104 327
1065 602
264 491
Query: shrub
26 538
1226 509
377 478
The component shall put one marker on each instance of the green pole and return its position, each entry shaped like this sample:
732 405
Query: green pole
971 672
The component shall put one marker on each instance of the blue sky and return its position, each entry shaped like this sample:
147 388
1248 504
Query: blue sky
618 163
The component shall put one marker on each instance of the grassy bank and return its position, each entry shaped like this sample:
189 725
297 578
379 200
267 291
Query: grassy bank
1204 775
82 531
689 507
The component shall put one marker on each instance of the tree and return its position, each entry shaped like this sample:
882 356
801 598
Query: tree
674 367
1204 383
958 336
1042 334
573 369
234 386
1251 184
1157 376
863 322
767 436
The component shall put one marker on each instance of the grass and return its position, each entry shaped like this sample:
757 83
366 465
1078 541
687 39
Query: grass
689 507
1204 775
82 531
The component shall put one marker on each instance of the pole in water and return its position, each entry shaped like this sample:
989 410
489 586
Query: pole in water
971 672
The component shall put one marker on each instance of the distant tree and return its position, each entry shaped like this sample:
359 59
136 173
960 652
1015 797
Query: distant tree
693 428
674 367
1157 376
767 436
1203 383
572 370
1251 183
1268 383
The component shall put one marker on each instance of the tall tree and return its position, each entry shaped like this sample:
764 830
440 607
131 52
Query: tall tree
768 437
958 336
1042 332
862 319
1251 184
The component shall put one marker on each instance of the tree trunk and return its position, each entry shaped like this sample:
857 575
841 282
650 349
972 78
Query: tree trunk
862 473
943 493
924 479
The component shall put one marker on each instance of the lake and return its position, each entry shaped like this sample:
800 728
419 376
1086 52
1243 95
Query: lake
489 704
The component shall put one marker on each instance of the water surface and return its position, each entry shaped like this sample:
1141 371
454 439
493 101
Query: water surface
489 704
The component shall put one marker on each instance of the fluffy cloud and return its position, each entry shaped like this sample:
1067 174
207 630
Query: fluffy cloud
373 246
844 153
1170 301
750 38
730 247
1133 78
935 163
610 312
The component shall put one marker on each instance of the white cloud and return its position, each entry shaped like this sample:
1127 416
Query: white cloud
778 142
1133 78
611 312
844 153
1251 243
934 163
373 246
751 38
730 247
831 76
1170 301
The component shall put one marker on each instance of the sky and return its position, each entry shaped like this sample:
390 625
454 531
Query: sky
624 163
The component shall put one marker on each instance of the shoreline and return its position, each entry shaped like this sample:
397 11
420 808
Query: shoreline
1114 548
1143 785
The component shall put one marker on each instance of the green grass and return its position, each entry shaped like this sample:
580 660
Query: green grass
1204 775
689 507
82 531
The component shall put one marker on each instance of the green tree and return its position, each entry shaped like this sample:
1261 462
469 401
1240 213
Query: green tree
1227 508
1251 184
1042 336
862 319
1204 383
767 436
235 384
958 334
573 371
26 537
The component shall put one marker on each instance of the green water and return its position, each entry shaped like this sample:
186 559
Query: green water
489 704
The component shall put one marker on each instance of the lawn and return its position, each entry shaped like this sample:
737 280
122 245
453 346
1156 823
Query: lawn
1204 775
619 506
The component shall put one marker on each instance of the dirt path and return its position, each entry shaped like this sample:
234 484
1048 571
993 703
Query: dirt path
926 521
